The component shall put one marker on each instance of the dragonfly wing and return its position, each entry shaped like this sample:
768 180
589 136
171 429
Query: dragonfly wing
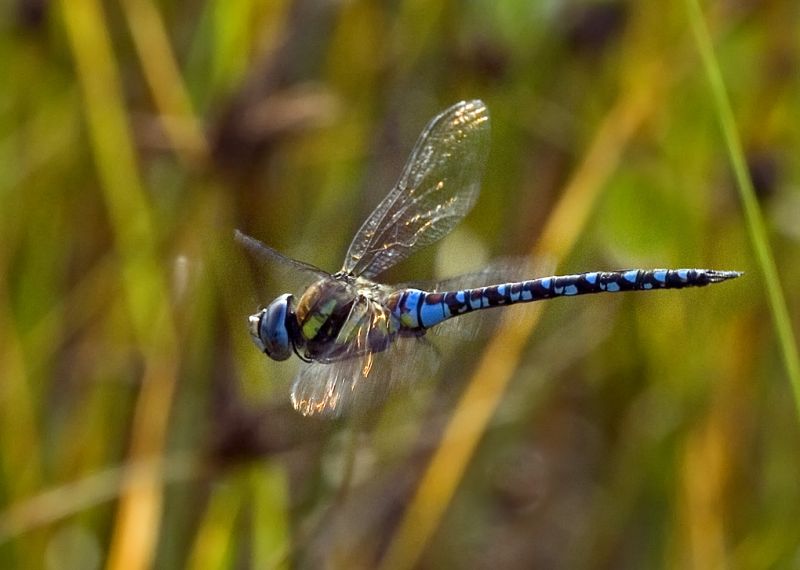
270 256
438 187
327 385
359 384
326 389
500 270
476 324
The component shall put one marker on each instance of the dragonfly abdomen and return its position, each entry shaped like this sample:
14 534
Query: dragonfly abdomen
422 309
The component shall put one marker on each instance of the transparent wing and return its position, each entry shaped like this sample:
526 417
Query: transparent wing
363 367
266 254
500 270
476 324
438 187
356 385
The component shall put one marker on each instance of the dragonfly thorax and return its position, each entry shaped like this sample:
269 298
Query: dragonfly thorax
340 317
322 309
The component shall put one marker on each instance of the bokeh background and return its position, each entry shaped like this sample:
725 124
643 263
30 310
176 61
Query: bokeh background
140 428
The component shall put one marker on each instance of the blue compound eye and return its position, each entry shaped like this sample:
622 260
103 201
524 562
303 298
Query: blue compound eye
269 329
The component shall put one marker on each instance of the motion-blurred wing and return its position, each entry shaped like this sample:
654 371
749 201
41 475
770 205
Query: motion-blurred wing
329 389
500 270
357 385
363 367
438 187
475 324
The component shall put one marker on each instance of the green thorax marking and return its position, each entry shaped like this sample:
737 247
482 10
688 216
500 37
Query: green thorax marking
315 320
323 308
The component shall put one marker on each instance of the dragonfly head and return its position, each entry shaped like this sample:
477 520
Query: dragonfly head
270 328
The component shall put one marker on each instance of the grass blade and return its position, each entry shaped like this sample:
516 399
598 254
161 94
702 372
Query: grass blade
752 211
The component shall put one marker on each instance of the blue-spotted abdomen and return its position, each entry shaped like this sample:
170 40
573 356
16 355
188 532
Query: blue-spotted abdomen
416 309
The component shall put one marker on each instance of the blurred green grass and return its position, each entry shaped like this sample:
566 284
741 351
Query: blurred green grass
140 428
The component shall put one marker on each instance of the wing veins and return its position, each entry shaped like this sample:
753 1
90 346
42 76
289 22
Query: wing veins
443 174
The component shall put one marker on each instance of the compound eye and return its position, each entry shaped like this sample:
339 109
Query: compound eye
270 331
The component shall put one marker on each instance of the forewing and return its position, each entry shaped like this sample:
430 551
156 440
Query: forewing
274 258
438 187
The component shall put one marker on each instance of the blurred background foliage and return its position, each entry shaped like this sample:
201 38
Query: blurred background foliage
140 428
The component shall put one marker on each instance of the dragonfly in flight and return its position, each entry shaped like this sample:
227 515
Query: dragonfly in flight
359 337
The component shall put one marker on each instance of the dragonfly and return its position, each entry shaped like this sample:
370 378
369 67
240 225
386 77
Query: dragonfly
357 337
